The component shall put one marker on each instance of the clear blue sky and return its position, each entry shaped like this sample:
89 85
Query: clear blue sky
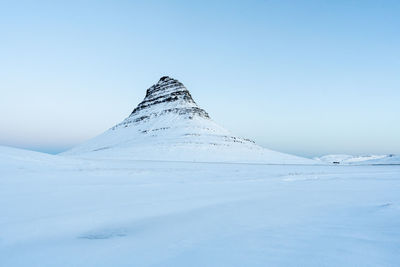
304 77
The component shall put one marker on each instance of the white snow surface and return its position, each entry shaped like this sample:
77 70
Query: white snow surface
176 130
366 159
58 211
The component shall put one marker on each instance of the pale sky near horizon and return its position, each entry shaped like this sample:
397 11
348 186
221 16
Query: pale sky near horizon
302 77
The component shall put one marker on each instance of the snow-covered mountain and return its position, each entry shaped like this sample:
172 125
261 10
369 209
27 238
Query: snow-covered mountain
169 125
365 159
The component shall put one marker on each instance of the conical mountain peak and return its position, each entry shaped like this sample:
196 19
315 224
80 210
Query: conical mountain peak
169 125
164 87
165 98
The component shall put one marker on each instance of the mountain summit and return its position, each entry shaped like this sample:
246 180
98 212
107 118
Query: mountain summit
166 96
169 125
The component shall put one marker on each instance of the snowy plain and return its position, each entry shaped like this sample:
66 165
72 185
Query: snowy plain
59 211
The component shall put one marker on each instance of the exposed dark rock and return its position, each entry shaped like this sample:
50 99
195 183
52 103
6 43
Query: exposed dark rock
168 90
167 96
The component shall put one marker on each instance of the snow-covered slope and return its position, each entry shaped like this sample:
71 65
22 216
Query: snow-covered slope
367 159
169 125
17 158
388 159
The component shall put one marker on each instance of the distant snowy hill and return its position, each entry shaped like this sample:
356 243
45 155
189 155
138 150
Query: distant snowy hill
11 157
367 159
169 125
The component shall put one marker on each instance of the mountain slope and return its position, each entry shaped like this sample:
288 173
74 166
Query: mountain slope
169 125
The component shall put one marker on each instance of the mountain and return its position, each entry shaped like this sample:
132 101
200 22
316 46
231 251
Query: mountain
357 160
169 125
